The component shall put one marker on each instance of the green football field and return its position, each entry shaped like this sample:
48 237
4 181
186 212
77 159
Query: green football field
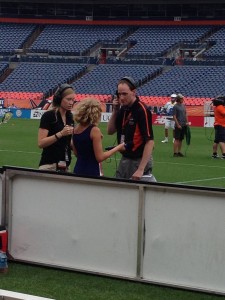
18 147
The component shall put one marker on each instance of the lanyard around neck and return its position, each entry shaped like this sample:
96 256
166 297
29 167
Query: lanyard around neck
126 119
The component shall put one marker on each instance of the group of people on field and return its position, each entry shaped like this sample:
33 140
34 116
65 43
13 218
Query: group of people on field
131 120
61 132
176 118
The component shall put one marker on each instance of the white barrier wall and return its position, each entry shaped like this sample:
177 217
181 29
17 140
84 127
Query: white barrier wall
185 238
74 224
166 234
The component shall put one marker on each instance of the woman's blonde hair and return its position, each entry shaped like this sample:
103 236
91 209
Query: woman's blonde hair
88 111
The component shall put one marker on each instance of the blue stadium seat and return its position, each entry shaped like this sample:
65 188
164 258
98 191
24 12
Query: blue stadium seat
74 39
35 77
13 36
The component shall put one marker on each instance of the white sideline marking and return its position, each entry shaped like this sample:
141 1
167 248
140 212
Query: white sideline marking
169 163
18 151
8 295
197 180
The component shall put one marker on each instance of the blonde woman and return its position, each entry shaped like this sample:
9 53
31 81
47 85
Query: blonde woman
87 139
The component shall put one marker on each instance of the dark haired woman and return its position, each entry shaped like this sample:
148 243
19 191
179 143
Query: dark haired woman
55 131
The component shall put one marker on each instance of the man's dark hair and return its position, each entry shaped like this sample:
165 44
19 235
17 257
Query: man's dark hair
129 81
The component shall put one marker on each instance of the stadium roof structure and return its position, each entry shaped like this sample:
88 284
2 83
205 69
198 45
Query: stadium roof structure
108 10
118 1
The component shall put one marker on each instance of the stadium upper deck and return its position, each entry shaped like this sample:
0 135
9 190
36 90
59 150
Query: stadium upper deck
162 59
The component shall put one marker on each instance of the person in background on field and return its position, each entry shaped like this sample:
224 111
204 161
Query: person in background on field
169 122
219 126
181 122
55 131
12 106
87 139
132 121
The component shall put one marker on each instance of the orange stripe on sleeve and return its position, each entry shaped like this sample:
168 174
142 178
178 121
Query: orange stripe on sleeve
146 117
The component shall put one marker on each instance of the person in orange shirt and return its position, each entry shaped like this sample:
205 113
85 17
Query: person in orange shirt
219 125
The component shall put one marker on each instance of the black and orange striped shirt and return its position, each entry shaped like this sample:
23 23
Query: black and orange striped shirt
135 124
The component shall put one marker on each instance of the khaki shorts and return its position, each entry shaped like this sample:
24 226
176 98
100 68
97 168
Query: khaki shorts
48 167
127 168
169 124
51 167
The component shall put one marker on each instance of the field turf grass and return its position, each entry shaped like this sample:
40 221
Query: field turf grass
18 147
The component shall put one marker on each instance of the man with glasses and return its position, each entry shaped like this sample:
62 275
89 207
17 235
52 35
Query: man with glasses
132 121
